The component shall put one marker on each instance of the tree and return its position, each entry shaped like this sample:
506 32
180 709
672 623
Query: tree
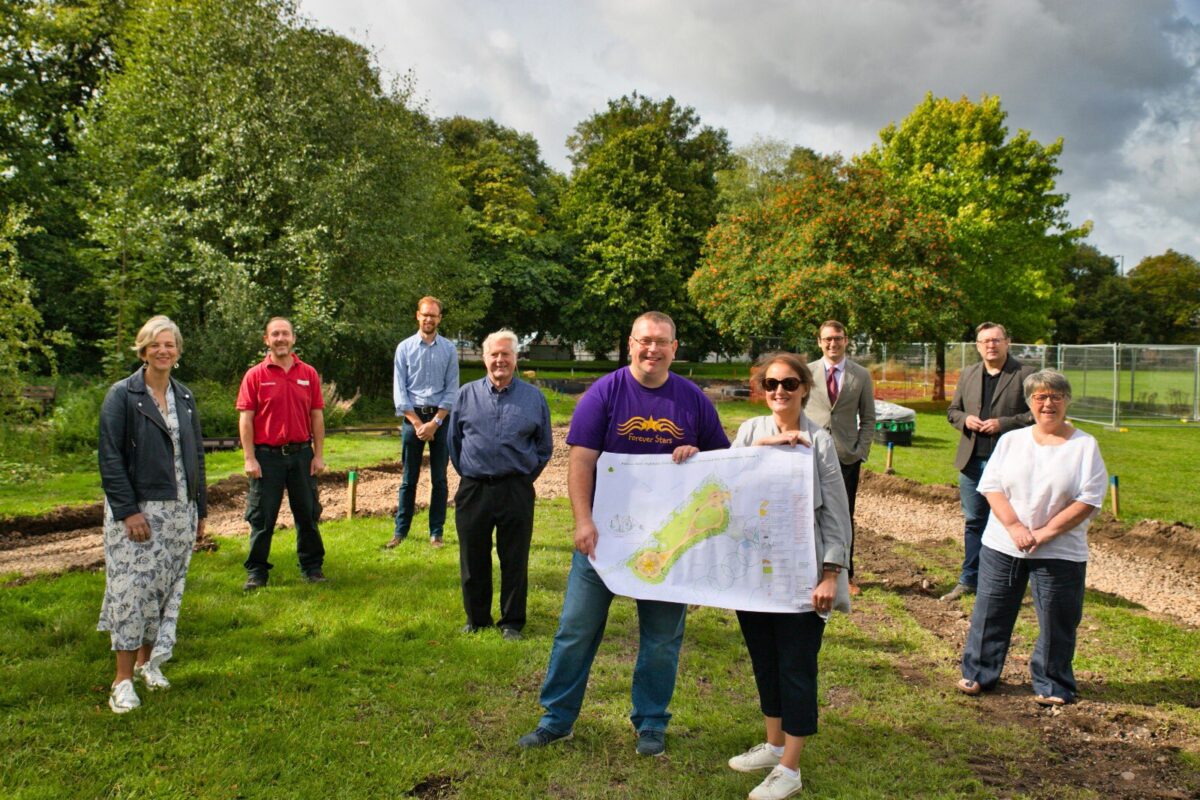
1169 285
244 165
21 338
831 244
1104 307
639 204
54 57
510 201
997 196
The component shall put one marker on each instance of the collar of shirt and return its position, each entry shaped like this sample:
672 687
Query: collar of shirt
499 389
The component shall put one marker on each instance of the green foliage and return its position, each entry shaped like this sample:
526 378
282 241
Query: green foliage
20 322
245 165
996 195
54 57
75 424
1105 307
1169 285
642 197
834 243
510 202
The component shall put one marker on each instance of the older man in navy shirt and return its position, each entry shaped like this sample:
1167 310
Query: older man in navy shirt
424 380
500 441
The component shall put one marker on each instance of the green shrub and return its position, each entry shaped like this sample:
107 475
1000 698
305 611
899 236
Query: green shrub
217 404
76 420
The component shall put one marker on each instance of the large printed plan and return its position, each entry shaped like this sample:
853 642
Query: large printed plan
727 528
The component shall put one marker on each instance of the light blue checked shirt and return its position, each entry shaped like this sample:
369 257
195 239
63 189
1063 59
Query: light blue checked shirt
424 374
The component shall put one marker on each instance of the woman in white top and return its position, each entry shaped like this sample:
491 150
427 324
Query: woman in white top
1044 484
783 647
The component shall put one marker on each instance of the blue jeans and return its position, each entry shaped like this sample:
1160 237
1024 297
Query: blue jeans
580 629
975 511
1058 599
411 450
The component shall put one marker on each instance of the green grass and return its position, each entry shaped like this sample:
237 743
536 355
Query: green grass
364 687
1156 467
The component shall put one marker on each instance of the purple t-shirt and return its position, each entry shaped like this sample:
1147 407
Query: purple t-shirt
619 415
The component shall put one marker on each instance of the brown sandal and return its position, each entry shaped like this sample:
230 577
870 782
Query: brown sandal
967 686
1049 700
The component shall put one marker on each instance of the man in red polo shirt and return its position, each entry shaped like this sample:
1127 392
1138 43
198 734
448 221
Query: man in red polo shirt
282 428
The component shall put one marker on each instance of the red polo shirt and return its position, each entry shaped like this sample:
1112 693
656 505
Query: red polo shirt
282 401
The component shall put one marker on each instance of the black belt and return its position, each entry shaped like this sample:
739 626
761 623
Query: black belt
426 410
286 449
490 479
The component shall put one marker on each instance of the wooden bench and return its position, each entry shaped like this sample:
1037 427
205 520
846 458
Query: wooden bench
40 394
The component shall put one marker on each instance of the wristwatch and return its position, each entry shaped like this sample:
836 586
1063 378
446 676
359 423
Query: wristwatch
834 568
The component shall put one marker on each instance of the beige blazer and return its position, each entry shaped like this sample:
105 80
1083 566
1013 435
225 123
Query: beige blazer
851 420
1008 404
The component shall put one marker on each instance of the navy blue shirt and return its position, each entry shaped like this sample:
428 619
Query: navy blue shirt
499 432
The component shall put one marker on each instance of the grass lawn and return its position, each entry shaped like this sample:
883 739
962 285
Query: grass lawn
364 687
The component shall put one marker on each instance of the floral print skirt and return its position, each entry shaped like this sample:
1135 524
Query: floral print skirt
144 581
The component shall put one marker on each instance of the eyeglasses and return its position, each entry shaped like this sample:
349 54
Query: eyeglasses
646 341
831 339
1049 397
989 341
788 384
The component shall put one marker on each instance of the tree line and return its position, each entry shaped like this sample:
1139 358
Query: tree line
223 161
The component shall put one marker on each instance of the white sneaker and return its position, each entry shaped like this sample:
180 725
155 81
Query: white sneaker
152 676
777 786
761 756
123 698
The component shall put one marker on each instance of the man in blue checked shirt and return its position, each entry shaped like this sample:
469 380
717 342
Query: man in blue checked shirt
500 441
424 383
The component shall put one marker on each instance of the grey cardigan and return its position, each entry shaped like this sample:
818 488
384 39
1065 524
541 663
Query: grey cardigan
831 510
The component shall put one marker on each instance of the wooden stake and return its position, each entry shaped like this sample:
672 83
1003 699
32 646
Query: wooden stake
353 478
1114 491
887 469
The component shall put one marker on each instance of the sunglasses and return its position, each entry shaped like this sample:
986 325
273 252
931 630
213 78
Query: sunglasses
788 384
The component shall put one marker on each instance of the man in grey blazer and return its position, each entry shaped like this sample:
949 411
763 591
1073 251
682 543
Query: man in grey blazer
988 401
843 403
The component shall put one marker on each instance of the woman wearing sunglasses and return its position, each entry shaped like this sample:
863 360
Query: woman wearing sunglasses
1044 484
783 647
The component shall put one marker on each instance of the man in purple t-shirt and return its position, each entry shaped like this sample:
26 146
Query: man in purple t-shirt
642 409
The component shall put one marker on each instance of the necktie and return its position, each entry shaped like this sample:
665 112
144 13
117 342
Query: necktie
831 385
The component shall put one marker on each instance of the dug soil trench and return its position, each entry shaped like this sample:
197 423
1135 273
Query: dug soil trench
1125 748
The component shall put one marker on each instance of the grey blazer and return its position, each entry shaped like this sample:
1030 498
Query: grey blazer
831 509
1008 404
851 420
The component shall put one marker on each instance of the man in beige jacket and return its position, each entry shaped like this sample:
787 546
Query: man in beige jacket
843 403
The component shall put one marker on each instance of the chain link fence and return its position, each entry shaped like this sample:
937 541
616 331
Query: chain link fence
1113 384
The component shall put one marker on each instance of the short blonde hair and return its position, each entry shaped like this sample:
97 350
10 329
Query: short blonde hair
502 335
150 331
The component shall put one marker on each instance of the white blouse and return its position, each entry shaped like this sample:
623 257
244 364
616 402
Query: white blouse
1040 481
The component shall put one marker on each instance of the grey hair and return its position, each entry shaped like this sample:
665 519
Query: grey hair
502 335
1050 379
150 331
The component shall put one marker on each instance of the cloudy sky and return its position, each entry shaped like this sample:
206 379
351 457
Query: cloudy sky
1119 80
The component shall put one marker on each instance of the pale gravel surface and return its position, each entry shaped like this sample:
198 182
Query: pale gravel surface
903 517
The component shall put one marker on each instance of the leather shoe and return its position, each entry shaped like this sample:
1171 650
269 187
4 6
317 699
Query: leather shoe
395 542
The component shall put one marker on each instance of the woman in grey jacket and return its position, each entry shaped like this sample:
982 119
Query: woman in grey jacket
783 647
152 471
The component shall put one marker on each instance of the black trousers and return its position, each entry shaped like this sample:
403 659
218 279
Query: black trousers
506 506
783 650
850 473
265 496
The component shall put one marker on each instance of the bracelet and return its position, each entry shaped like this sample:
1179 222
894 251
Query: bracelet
836 569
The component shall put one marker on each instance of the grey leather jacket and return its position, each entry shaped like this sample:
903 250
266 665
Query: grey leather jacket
137 460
